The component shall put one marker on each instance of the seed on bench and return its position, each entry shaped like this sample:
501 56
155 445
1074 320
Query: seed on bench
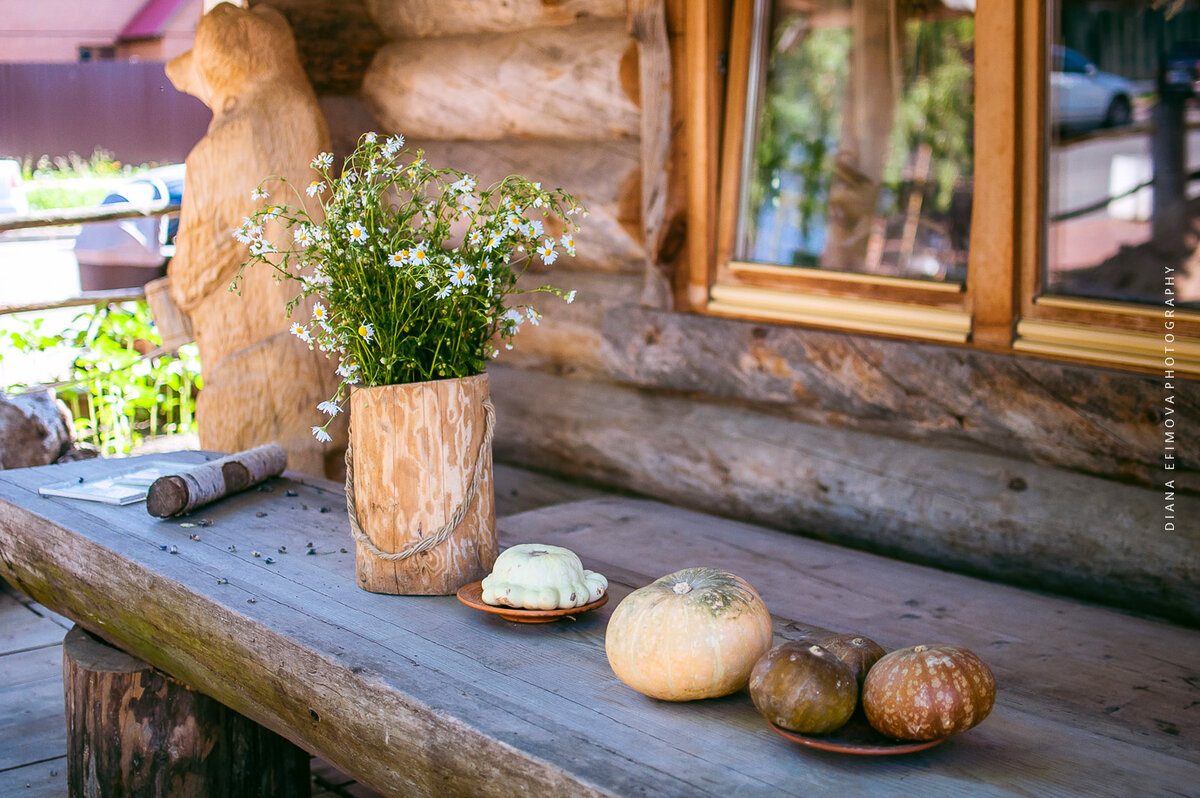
345 552
222 581
266 488
231 548
174 549
291 493
187 525
163 547
195 537
311 551
309 544
269 561
256 554
260 515
324 509
251 600
304 507
283 549
204 522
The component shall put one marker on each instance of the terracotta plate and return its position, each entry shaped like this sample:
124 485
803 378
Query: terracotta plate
857 737
472 596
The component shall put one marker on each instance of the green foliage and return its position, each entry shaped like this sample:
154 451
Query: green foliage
413 266
118 396
64 171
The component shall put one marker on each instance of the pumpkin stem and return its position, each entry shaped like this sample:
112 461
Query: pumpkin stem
538 553
682 587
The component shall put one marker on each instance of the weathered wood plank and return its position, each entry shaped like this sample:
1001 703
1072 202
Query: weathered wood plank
24 629
32 727
1090 420
26 667
981 513
603 175
519 490
47 779
408 19
543 83
537 708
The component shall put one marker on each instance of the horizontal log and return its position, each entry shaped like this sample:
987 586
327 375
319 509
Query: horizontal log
176 494
569 339
1090 420
408 19
604 176
540 84
995 516
72 216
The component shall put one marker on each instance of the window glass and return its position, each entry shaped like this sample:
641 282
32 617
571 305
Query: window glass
860 154
1124 140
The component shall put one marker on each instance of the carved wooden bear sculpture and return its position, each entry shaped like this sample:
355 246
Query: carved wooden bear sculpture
261 383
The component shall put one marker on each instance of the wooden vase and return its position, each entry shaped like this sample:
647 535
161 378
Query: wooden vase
414 450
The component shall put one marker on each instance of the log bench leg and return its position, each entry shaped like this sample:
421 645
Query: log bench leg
133 730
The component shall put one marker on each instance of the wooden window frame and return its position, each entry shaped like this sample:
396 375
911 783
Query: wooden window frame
1000 307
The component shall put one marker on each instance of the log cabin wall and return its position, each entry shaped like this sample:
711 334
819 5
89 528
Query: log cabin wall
1012 467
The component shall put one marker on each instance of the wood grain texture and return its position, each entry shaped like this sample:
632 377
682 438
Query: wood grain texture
410 19
336 41
133 730
1089 420
421 696
991 515
547 83
415 449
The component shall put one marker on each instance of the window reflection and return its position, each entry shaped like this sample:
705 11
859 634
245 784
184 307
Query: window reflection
1124 138
860 157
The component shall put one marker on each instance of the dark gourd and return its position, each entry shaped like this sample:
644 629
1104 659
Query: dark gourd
802 687
859 652
928 692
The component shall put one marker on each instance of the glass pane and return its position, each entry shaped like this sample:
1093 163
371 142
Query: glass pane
860 150
1124 139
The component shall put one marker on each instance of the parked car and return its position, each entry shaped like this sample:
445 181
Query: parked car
1081 94
1181 68
12 188
131 252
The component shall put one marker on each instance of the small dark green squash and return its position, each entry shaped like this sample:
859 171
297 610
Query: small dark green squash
804 688
859 652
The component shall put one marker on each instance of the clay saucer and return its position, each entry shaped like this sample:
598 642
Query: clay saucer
472 595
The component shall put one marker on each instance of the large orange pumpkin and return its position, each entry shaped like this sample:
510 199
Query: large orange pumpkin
692 634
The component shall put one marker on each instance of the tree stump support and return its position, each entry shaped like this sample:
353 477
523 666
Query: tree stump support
132 730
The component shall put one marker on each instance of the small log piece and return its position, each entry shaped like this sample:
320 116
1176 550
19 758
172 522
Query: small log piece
177 494
133 730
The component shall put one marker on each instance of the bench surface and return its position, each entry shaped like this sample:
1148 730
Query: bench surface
422 695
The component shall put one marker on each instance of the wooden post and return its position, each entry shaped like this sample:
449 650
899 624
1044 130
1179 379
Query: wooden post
414 449
133 730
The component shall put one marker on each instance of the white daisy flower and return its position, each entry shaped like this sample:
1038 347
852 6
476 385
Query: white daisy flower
547 252
346 369
366 331
393 145
325 160
321 435
329 409
568 242
260 247
370 137
475 238
570 297
445 292
458 275
512 318
419 257
358 233
315 188
414 169
533 316
494 240
538 201
464 185
419 284
302 236
258 193
319 312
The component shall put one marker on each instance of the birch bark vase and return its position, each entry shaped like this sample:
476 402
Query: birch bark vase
415 449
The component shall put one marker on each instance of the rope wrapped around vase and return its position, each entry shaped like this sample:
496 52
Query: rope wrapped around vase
456 518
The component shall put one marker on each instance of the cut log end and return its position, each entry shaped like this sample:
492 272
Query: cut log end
166 497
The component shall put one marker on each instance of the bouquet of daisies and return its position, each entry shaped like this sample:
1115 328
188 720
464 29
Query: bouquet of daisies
415 268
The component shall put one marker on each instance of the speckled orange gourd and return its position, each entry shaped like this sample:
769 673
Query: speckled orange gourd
928 692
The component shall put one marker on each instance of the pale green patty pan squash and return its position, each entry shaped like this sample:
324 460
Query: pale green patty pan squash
536 576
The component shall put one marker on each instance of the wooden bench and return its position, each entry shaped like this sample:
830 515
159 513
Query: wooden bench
422 695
